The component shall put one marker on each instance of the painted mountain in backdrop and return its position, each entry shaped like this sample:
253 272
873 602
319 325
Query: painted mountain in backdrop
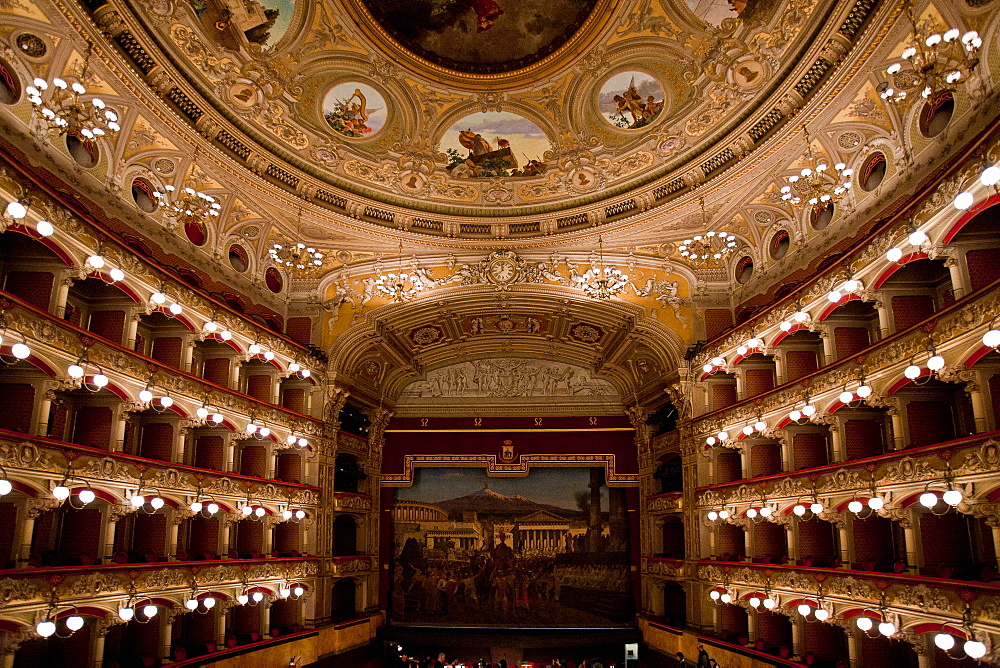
488 502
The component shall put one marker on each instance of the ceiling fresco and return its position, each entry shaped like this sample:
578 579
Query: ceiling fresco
481 36
598 97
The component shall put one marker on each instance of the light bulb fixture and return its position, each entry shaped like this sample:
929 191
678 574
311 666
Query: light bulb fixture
16 210
296 257
804 609
770 603
821 614
964 201
66 112
161 301
602 281
754 602
709 247
45 228
991 339
816 184
188 205
864 623
944 641
937 62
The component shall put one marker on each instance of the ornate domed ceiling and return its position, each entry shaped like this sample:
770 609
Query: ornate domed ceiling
496 109
467 129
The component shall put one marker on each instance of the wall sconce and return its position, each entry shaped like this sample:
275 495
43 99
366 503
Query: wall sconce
48 626
19 350
90 375
160 299
206 510
804 413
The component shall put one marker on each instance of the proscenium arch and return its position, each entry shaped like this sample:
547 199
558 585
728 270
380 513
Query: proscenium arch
625 324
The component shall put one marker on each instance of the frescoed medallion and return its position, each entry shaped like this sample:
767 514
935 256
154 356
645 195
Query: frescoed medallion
354 110
631 100
497 143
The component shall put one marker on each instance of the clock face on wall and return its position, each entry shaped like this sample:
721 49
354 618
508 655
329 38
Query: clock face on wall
502 268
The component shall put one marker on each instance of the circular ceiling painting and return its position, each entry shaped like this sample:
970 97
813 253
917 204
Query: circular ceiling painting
354 109
497 143
631 100
481 36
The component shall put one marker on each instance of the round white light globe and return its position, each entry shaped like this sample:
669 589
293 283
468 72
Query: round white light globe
894 254
975 649
724 514
212 508
928 499
259 512
917 237
952 497
156 502
196 507
145 396
992 338
804 609
116 275
808 410
45 629
834 296
912 372
191 604
149 610
876 503
298 591
944 640
846 397
137 500
20 351
60 492
821 614
712 515
766 511
208 602
5 487
769 603
816 508
964 200
990 176
754 602
799 509
714 595
100 380
242 599
855 506
75 371
126 614
86 496
887 628
16 210
935 363
865 623
258 596
751 513
864 391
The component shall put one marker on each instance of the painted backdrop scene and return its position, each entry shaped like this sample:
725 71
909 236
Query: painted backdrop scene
547 550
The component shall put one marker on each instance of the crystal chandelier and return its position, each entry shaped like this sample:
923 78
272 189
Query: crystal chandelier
399 286
602 282
815 184
712 245
66 113
298 258
937 61
188 205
